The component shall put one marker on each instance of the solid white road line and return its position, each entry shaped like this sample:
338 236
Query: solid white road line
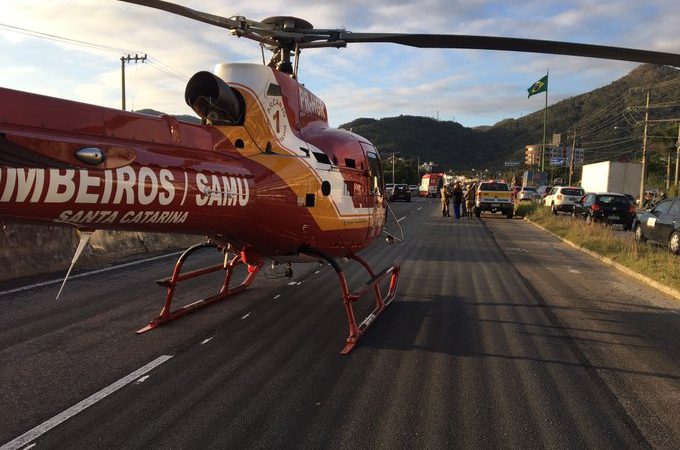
46 426
401 219
86 274
419 208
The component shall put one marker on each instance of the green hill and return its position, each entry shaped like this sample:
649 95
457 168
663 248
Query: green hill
594 115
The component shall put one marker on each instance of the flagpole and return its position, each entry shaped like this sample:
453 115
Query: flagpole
545 120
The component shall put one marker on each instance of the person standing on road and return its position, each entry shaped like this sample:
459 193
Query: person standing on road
457 198
446 198
469 200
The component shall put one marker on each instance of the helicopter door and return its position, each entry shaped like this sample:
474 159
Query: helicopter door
376 186
376 189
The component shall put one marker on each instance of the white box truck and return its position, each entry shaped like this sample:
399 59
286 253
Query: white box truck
612 176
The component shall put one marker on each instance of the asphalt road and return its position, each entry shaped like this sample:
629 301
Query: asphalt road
501 336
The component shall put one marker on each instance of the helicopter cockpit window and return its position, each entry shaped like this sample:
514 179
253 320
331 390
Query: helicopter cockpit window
376 173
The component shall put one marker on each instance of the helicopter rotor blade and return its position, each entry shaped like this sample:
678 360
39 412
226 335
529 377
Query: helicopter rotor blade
515 44
244 27
190 13
308 37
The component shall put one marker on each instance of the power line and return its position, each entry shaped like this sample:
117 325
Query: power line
53 37
158 64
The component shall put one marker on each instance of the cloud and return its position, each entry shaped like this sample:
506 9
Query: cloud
373 79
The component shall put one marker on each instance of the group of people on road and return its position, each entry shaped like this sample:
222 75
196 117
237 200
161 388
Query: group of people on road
463 202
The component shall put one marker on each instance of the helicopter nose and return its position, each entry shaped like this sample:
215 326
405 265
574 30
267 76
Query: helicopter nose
213 99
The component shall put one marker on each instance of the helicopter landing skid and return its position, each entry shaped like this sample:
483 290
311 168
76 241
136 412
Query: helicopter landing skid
357 330
167 315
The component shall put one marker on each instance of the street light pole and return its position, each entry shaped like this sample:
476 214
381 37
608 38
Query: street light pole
644 153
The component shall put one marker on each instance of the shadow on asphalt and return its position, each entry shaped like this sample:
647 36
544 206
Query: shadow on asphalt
443 324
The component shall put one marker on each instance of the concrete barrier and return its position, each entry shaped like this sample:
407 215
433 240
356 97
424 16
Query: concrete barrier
27 250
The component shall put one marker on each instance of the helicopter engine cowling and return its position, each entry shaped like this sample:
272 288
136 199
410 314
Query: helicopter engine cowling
214 100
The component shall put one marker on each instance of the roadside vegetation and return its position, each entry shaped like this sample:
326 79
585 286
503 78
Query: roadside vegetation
648 259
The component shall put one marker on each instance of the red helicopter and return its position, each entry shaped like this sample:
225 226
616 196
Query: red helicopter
264 177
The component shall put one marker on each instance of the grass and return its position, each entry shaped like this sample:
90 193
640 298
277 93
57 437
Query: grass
648 259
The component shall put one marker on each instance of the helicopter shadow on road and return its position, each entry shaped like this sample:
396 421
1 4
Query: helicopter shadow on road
434 323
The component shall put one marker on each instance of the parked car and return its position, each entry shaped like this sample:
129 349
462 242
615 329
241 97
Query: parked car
400 192
660 224
631 199
389 187
562 198
414 189
605 207
527 193
542 191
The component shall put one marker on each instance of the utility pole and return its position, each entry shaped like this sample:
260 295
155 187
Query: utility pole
128 59
644 153
571 159
677 161
668 168
393 167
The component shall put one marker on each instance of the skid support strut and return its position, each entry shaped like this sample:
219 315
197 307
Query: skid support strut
357 330
167 314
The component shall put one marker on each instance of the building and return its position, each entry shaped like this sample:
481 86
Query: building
554 155
532 155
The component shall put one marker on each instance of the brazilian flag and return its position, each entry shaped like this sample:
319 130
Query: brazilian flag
539 86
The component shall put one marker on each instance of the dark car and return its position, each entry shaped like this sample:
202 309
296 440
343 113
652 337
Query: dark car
605 207
660 224
401 192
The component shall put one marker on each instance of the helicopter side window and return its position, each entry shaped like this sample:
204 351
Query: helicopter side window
376 173
273 90
322 158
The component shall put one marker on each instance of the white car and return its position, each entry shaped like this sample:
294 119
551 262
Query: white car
526 193
562 198
389 187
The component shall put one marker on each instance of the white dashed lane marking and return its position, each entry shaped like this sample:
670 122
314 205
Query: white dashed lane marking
46 426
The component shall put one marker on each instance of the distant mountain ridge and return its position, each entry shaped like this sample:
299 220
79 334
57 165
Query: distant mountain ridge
182 117
456 146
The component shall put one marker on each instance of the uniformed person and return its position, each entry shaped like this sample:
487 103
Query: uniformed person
469 200
446 199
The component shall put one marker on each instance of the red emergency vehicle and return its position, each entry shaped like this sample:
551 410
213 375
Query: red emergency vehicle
430 184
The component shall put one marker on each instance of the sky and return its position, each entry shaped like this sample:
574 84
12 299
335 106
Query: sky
472 87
